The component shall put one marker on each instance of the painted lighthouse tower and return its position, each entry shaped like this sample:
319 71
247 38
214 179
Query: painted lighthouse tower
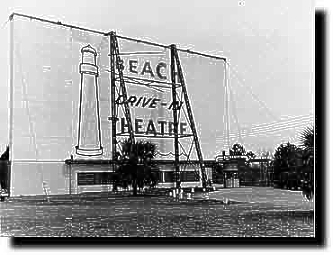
89 127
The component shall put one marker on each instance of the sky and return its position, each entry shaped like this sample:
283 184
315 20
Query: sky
269 45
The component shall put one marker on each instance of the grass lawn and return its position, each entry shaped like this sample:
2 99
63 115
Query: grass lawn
143 216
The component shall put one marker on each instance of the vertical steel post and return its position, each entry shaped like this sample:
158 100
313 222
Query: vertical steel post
11 100
175 117
11 83
113 97
227 105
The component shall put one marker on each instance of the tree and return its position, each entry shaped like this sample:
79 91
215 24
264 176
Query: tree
5 155
238 150
4 169
250 155
135 165
287 158
307 144
284 158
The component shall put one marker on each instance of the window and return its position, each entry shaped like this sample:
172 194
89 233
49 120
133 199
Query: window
95 178
85 178
169 176
187 176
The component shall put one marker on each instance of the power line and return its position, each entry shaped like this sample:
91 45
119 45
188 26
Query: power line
4 24
255 97
283 123
117 36
270 130
289 119
235 115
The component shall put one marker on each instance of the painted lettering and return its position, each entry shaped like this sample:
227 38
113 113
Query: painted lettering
133 65
131 100
146 102
138 126
171 128
182 128
176 104
147 69
162 123
158 70
139 101
151 128
154 102
123 125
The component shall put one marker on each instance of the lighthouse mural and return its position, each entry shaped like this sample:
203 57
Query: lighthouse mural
89 128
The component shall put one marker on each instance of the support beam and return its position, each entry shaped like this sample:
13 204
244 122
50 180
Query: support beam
191 118
175 117
11 84
11 102
113 99
123 89
227 106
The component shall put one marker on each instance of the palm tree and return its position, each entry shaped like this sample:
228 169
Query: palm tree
135 165
307 143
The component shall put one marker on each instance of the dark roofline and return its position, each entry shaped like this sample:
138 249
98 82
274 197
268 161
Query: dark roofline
260 160
157 161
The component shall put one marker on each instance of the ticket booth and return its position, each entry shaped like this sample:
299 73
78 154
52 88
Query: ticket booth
231 178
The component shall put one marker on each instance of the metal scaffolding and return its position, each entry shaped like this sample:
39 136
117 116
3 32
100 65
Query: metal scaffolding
177 105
